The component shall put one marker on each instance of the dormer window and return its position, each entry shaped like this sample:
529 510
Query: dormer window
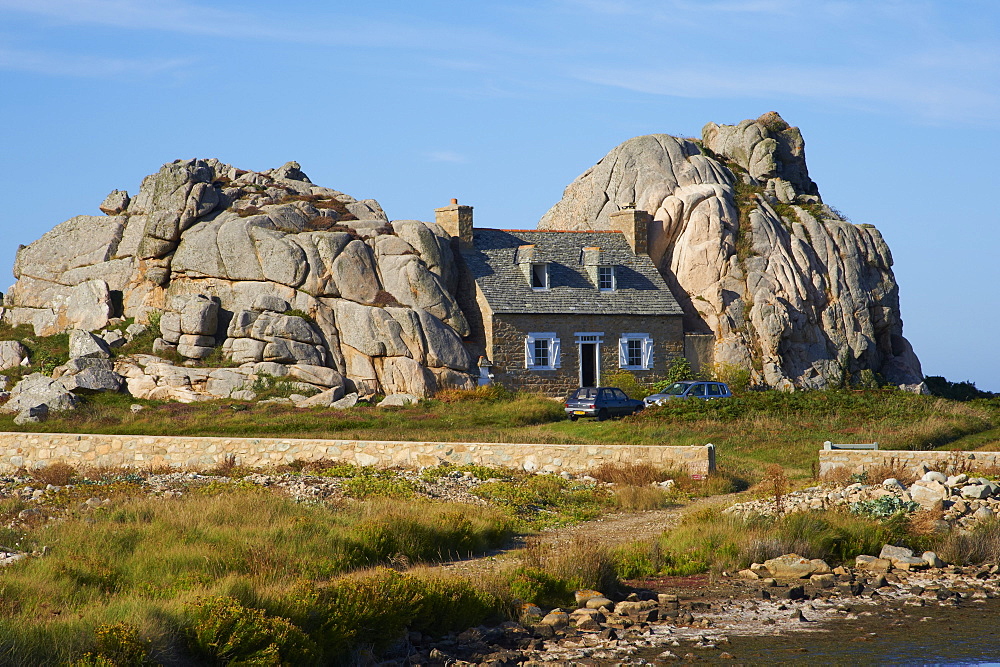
539 276
606 278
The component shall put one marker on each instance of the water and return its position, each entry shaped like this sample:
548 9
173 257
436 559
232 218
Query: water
929 635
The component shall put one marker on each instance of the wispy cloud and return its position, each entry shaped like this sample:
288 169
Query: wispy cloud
900 86
447 156
75 65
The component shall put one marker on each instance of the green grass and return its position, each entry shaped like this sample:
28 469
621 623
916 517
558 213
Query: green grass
711 540
751 431
240 569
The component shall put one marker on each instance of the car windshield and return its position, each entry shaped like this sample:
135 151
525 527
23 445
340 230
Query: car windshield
676 389
587 392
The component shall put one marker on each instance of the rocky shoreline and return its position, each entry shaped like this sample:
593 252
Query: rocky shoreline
696 622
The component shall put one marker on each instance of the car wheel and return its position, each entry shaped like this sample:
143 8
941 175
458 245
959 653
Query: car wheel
602 414
573 418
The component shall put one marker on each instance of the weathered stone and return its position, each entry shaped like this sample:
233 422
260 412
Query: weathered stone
815 289
928 493
93 380
976 491
934 476
170 327
88 305
932 559
269 326
318 375
32 415
292 352
324 399
12 354
398 400
892 553
199 316
243 395
348 401
161 346
983 514
114 338
115 203
37 389
194 351
793 566
872 564
270 302
86 344
223 382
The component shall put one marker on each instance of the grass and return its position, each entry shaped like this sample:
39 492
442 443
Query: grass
711 540
750 431
184 575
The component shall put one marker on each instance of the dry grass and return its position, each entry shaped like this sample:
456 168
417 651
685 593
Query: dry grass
631 474
642 498
581 562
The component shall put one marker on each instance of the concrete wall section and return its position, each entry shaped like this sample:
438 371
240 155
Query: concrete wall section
859 461
33 450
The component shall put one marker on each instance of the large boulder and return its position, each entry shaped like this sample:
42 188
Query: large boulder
85 344
223 254
785 285
37 389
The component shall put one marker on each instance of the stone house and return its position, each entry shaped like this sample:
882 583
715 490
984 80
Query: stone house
554 310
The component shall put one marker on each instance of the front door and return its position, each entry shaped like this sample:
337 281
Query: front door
588 364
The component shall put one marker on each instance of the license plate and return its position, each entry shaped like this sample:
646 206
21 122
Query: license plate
579 412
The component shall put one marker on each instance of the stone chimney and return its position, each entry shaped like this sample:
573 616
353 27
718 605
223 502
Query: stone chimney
590 257
456 221
635 225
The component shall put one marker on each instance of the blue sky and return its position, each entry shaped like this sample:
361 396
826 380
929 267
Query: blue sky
502 104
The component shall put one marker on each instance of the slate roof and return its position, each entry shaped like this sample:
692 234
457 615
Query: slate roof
640 287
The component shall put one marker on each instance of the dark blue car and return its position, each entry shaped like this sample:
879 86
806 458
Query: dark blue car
600 403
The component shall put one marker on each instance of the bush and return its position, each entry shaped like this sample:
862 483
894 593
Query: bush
56 474
627 382
737 377
635 474
225 632
980 545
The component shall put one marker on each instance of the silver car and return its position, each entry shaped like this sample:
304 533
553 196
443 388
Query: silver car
690 389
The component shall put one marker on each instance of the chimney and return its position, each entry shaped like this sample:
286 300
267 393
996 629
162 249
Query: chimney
456 221
635 225
590 257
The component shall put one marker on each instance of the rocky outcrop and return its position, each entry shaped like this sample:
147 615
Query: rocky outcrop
265 265
785 284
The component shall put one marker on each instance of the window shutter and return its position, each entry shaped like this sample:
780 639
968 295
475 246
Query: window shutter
622 352
529 352
647 353
554 353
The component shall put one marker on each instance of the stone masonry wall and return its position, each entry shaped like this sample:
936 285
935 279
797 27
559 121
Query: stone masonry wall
857 461
509 333
34 450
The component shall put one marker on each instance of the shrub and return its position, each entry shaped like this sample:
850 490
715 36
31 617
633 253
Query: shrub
118 644
56 474
627 382
737 377
225 632
534 585
581 563
884 507
980 545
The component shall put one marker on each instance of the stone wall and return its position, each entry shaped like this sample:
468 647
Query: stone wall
857 461
508 331
33 450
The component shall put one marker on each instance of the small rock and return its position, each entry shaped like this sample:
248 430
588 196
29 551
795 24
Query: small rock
934 476
892 553
398 400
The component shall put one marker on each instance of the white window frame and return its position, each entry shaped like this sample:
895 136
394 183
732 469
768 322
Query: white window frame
545 271
647 352
614 278
554 351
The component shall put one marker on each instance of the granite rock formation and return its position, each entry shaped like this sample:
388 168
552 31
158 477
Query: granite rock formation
266 266
785 284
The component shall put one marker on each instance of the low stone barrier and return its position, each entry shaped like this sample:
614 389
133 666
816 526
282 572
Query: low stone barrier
857 461
33 450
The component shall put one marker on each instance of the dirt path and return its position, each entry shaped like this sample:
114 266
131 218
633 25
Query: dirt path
609 530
